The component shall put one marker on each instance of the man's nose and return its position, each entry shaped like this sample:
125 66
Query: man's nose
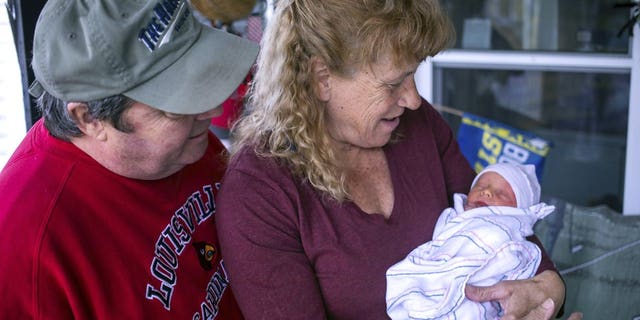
210 113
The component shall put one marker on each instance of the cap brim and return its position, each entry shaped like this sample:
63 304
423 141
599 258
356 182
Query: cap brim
207 74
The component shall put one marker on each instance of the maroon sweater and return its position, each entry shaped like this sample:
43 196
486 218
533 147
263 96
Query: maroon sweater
291 254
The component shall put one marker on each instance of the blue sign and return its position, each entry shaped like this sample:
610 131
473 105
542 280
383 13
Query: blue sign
485 142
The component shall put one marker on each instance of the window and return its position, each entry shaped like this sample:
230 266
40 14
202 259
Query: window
560 72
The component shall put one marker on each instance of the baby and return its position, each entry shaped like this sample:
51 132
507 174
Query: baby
480 241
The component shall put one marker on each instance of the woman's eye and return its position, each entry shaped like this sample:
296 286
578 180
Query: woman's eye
394 85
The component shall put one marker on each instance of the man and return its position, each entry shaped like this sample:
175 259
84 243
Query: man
108 204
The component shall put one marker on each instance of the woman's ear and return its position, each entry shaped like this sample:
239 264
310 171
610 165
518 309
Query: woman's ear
79 113
321 77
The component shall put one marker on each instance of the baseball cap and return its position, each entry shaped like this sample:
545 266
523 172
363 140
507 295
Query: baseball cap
522 179
154 52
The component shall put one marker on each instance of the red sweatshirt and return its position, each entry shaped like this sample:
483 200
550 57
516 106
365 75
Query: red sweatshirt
80 242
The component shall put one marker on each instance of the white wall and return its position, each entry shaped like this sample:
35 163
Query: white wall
12 117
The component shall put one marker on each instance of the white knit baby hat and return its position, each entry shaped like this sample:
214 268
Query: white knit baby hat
521 177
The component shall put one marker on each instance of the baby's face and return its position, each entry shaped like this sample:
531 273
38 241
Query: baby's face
491 189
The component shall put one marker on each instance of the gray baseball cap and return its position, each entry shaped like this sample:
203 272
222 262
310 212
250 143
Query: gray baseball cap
153 51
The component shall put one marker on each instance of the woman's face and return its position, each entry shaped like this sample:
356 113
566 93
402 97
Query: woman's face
491 189
363 111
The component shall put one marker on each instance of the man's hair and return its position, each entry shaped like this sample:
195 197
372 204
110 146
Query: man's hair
285 119
60 124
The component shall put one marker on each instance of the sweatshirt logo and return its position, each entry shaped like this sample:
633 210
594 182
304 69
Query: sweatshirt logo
206 252
174 239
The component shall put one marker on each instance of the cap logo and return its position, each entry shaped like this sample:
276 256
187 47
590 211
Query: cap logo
168 16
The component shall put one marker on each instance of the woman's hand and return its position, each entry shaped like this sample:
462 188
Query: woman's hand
538 298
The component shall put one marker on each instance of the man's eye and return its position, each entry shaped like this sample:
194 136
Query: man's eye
172 115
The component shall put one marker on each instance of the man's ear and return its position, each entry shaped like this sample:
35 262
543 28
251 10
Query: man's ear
89 126
321 77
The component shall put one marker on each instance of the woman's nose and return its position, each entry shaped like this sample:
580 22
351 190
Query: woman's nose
410 98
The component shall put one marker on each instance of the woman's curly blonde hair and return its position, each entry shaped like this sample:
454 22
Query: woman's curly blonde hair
284 118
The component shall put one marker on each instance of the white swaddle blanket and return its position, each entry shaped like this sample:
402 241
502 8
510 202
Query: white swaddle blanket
481 247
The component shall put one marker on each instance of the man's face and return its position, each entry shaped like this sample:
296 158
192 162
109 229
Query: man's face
160 144
491 189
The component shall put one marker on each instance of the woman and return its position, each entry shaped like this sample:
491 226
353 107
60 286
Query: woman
340 169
